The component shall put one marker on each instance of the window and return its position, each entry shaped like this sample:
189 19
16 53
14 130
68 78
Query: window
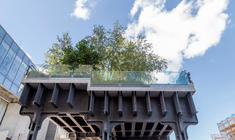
7 83
20 54
14 68
3 50
7 62
26 60
20 74
1 78
14 47
2 32
8 39
14 88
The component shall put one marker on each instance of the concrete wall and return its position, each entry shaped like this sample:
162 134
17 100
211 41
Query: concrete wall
15 126
3 106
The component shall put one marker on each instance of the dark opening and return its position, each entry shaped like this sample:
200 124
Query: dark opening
30 137
166 133
149 126
87 129
156 133
128 134
118 128
77 129
168 128
159 126
137 133
57 121
81 121
127 126
138 126
33 126
97 130
146 133
68 121
119 134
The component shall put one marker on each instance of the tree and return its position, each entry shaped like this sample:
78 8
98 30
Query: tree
118 53
107 50
55 54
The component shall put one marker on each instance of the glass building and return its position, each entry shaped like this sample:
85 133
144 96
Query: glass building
13 63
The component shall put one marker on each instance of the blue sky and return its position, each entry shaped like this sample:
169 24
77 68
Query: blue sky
202 44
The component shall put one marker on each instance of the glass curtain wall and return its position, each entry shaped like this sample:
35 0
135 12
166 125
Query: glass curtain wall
13 62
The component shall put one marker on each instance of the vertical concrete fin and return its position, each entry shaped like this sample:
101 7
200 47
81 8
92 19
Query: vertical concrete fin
191 104
24 96
120 103
123 130
106 103
163 104
134 104
55 94
133 129
38 96
70 99
177 104
148 104
91 103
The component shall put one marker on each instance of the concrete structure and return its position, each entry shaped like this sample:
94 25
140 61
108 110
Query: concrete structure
13 65
227 127
125 106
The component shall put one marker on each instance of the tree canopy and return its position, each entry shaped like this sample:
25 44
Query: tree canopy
106 50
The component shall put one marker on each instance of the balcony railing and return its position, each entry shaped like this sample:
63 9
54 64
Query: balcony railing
110 77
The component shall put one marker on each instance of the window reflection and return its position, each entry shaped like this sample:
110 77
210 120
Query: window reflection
1 78
7 62
7 83
13 62
14 47
2 32
14 68
3 50
8 39
20 74
14 88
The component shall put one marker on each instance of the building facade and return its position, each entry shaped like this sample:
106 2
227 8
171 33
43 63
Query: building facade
227 127
14 63
218 137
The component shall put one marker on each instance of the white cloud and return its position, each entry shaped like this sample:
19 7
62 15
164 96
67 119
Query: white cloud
178 34
83 9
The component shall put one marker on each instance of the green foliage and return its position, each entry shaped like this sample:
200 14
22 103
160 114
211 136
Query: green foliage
55 55
106 50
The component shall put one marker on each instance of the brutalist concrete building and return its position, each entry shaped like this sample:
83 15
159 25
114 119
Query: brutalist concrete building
110 105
